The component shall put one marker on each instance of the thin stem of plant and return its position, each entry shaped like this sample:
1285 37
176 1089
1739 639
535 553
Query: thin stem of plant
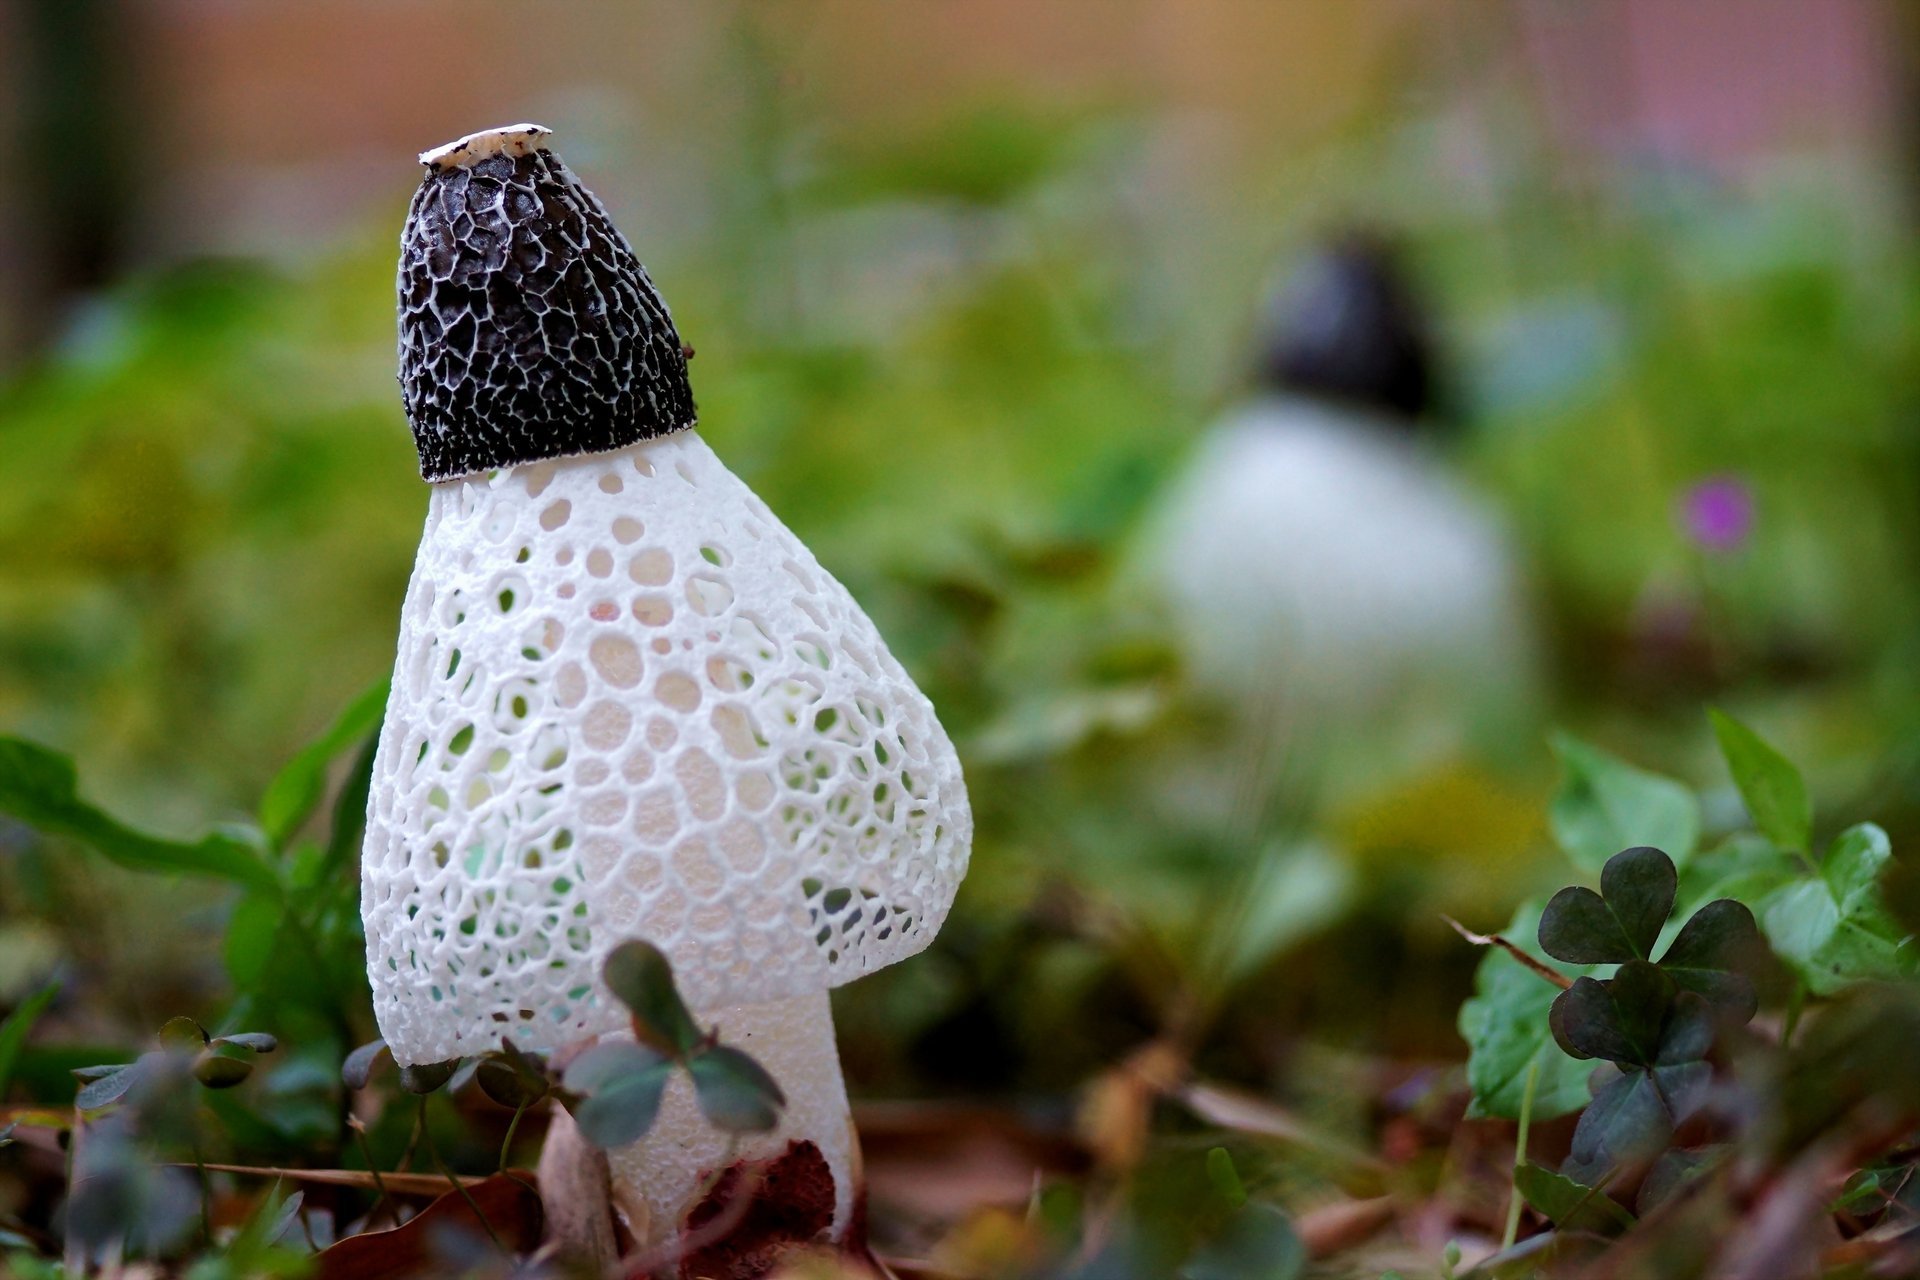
506 1145
1520 1156
1795 1003
433 1153
206 1190
366 1151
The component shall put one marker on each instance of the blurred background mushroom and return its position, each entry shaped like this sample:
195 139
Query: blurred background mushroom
1347 599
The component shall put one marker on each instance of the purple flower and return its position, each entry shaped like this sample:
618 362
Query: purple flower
1718 513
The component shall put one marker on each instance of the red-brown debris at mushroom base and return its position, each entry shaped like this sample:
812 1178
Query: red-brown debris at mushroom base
792 1206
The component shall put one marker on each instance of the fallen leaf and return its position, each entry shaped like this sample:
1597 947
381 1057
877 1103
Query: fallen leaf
508 1201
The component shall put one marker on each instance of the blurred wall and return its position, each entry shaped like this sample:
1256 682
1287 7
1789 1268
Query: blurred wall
248 126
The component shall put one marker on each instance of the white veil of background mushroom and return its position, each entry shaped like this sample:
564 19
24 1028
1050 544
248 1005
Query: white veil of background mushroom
628 702
1328 573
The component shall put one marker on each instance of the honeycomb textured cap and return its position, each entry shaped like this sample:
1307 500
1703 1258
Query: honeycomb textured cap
528 328
629 703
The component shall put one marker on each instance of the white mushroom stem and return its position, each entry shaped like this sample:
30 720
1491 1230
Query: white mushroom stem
672 1169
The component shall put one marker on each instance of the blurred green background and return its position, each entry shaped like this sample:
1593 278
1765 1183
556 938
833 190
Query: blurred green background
967 283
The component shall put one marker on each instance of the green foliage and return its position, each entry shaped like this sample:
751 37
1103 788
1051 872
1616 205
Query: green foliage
17 1026
40 787
1569 1204
1833 929
218 1062
1655 1021
735 1093
619 1086
1775 793
1605 805
1666 1024
297 789
1256 1243
1505 1024
640 977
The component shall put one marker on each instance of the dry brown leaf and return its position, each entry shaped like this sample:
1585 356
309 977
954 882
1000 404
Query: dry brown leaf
508 1201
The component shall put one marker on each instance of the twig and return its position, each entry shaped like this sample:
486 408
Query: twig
396 1184
1552 975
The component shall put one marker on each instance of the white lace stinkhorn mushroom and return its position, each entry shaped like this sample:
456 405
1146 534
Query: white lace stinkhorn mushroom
1325 569
628 702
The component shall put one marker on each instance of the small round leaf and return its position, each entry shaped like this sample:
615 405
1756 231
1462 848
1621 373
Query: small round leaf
358 1068
427 1077
735 1092
641 977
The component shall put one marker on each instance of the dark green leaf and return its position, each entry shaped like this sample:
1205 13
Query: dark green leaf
184 1034
1633 1118
1605 805
621 1084
1256 1243
18 1026
39 787
1671 1172
1505 1024
1577 928
1621 922
1638 885
427 1077
290 798
1688 1033
358 1068
1712 953
1620 1019
1775 793
640 976
511 1077
1567 1203
222 1066
735 1092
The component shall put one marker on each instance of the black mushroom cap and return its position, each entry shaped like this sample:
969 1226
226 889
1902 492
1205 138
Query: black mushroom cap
528 329
1349 325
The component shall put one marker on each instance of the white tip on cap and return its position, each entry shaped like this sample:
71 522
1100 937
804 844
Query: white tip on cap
507 140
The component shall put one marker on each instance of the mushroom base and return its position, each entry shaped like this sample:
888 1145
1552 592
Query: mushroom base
674 1173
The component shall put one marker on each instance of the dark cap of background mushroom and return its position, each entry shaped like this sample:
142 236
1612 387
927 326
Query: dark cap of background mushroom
528 328
1348 325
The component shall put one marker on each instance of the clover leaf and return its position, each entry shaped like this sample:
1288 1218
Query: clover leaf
1621 922
641 977
1632 1118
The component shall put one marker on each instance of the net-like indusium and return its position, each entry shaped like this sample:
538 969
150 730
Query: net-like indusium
629 703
